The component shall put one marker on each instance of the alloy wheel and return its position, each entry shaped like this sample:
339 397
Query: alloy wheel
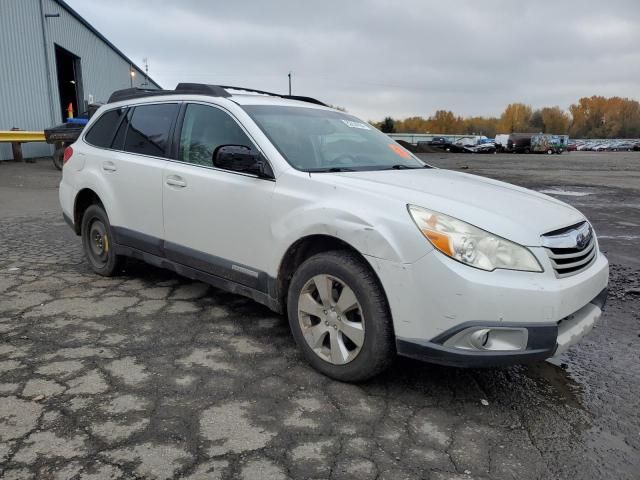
331 319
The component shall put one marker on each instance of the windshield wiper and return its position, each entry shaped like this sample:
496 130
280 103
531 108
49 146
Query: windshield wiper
333 169
400 166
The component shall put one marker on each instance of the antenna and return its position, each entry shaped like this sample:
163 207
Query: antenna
289 83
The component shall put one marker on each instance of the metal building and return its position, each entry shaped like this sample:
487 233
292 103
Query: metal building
49 57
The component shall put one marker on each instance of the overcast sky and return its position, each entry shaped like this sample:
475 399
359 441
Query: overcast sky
377 58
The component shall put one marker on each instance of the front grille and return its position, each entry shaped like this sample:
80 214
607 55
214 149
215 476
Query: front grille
571 249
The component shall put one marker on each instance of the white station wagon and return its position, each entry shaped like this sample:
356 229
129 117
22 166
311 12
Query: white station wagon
313 212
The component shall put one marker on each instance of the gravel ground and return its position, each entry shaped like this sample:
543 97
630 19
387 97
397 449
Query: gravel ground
149 375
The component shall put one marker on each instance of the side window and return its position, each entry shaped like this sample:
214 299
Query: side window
149 128
118 140
203 130
102 131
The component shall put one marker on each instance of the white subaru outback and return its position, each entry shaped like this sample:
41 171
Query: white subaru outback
313 212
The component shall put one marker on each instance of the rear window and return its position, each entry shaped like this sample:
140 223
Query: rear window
101 133
149 129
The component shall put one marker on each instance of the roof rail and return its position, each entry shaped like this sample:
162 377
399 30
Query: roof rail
199 89
290 97
129 93
202 89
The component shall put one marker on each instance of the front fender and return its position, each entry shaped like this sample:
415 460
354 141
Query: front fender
351 229
376 226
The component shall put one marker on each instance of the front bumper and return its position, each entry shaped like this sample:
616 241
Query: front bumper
544 340
435 296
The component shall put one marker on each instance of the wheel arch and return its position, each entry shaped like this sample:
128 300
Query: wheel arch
84 199
303 249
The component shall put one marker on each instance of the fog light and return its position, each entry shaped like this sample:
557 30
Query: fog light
479 338
489 339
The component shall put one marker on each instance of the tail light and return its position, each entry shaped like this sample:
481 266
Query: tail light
67 155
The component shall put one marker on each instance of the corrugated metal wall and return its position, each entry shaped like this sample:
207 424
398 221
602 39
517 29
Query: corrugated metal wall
28 95
24 98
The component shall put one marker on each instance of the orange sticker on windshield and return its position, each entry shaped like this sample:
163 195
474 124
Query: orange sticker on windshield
399 150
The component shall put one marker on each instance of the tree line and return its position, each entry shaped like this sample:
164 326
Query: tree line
590 117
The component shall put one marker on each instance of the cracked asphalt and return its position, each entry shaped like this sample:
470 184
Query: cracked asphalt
149 375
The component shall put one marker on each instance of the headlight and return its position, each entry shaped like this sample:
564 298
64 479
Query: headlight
471 245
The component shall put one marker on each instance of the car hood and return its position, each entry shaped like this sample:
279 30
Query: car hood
511 212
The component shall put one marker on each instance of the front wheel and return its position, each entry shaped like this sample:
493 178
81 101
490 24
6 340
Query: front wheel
97 242
339 317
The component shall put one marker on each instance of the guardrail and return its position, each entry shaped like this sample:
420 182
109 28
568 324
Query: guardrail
17 137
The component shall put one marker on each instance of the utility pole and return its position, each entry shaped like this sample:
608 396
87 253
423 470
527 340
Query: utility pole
289 83
146 71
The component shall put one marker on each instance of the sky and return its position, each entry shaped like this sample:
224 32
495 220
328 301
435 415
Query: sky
378 58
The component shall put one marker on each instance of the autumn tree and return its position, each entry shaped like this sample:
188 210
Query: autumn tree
591 117
413 125
515 118
555 120
444 121
481 126
629 119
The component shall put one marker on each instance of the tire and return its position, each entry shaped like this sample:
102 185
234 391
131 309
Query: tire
57 158
368 322
96 242
549 152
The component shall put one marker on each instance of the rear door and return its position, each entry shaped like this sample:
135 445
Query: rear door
215 220
133 169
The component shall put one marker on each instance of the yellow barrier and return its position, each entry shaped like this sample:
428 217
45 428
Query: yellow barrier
21 136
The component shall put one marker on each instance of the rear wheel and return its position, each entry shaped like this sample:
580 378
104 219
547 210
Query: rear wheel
339 317
97 242
549 152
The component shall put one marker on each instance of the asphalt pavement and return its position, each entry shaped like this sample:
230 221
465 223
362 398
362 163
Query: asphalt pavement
150 375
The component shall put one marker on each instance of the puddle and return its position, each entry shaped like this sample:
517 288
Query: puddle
620 237
562 386
566 193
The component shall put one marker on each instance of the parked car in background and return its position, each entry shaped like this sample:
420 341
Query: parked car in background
546 143
572 147
440 142
473 145
65 134
519 143
621 146
600 147
501 142
607 145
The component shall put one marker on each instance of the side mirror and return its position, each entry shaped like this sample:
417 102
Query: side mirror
240 158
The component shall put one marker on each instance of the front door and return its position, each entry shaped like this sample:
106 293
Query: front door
215 220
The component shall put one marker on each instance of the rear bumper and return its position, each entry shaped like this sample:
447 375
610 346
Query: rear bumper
69 221
544 340
67 196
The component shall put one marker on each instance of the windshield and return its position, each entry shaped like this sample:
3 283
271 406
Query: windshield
314 140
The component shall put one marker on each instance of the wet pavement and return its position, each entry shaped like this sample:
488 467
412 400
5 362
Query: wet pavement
149 375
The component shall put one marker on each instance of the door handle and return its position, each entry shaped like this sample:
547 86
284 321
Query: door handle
176 181
109 166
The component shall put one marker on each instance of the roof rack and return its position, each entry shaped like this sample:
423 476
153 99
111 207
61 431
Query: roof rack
199 89
290 97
